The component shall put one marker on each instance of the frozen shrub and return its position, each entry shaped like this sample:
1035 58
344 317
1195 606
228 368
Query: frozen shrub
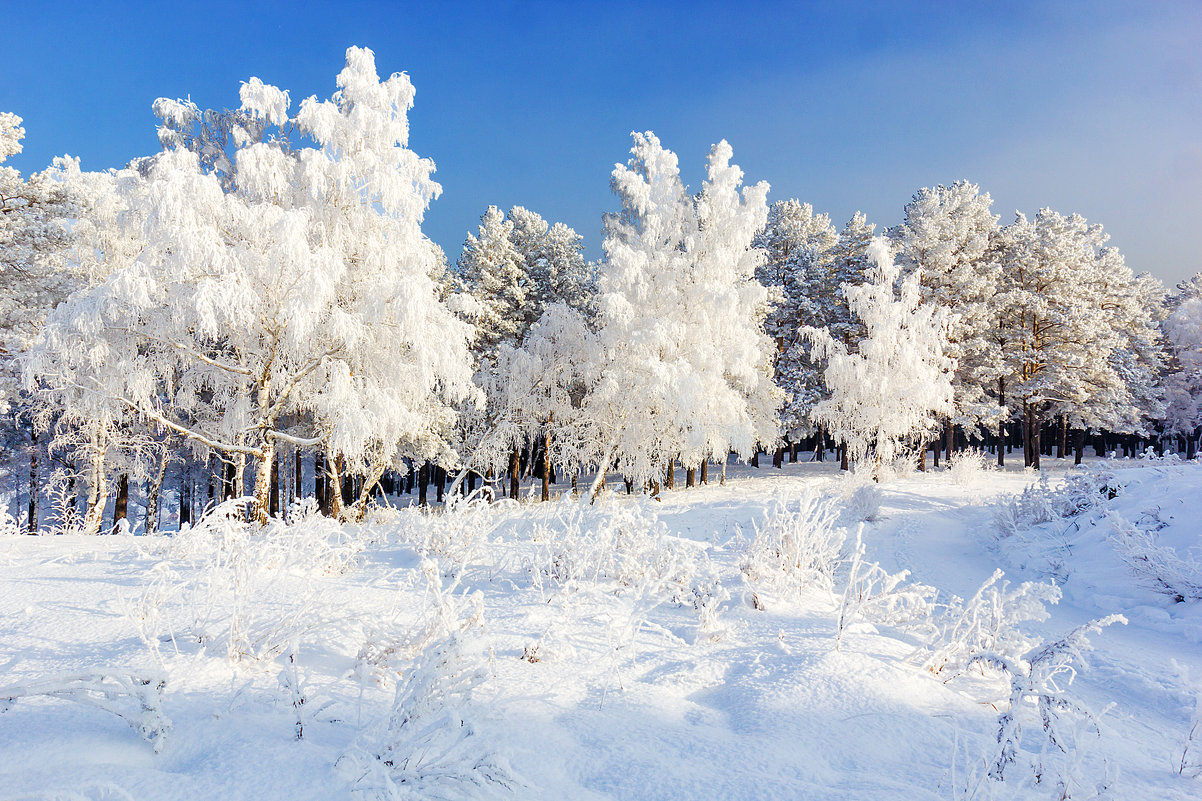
136 699
243 587
875 596
1081 490
861 497
794 550
8 525
1050 751
1160 566
428 746
967 467
987 623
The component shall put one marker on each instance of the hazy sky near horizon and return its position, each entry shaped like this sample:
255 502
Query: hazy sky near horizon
1087 107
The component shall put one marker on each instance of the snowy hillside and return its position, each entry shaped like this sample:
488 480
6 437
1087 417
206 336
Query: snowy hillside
724 643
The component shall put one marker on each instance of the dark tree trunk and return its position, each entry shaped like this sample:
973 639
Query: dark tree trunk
935 449
1036 429
922 457
546 496
440 482
1078 445
629 482
515 468
121 501
949 436
705 471
755 458
778 458
423 480
185 497
273 498
1001 425
33 481
690 477
844 464
299 475
319 483
670 475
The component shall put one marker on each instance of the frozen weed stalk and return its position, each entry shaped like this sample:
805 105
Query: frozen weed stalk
794 551
875 596
1041 679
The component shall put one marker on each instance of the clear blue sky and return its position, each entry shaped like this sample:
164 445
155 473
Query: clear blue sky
1090 107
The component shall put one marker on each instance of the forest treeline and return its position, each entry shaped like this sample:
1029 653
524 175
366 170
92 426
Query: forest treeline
255 311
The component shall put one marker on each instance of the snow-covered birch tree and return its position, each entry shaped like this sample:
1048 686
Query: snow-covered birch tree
306 291
898 383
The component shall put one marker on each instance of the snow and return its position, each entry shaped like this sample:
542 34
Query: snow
648 672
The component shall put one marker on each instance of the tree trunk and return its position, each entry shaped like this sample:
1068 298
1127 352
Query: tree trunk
819 445
1078 445
778 457
843 461
922 456
423 481
1062 440
690 477
274 499
185 497
949 434
33 481
1001 424
97 491
334 485
755 457
670 475
1035 428
265 471
121 501
515 467
440 482
546 496
705 471
154 492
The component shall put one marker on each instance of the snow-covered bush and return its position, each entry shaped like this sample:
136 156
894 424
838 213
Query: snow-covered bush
1052 750
1081 490
427 747
875 596
861 497
389 645
246 588
136 699
8 525
1160 566
967 467
794 550
986 623
455 533
620 544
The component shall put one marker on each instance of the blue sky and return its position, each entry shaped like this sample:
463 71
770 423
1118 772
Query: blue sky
1091 107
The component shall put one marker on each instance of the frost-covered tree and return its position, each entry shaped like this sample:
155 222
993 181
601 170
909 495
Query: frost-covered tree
946 234
898 383
35 214
556 269
669 379
495 274
1183 375
797 244
305 291
1079 338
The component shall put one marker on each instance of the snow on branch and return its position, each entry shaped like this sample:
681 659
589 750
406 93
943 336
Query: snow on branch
137 699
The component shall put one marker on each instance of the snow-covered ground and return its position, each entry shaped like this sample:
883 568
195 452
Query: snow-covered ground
683 648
